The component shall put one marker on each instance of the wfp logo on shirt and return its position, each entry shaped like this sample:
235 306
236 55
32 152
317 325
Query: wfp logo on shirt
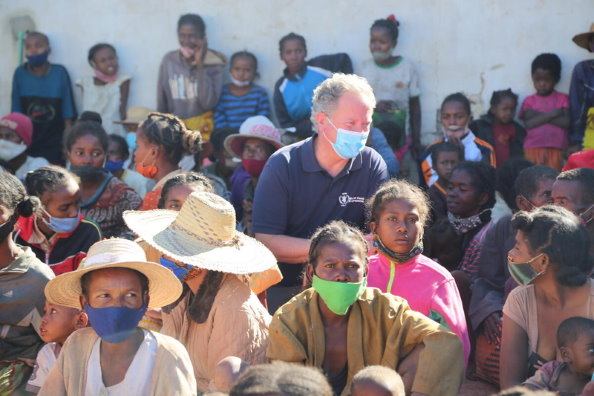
344 199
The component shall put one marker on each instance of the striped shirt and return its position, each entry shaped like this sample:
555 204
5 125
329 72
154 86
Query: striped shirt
232 111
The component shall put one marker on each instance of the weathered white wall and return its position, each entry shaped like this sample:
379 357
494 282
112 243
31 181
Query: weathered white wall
474 46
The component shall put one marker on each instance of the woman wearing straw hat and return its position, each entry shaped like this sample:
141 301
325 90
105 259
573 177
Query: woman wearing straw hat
257 139
115 285
217 315
581 95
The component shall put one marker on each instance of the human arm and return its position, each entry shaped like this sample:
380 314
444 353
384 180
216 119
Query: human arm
280 108
16 93
577 105
124 93
210 84
286 249
220 116
263 104
54 384
162 88
415 124
380 144
514 352
68 106
517 143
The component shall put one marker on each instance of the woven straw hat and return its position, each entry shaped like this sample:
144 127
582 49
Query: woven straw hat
202 234
256 127
135 115
583 39
164 287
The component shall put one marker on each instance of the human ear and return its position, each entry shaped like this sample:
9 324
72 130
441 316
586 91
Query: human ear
543 263
309 272
522 204
565 354
483 199
372 226
83 301
82 320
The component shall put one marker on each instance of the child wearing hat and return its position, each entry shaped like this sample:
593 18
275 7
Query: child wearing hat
115 285
16 134
581 95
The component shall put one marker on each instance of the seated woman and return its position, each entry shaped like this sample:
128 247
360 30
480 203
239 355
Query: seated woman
16 135
22 279
551 259
115 285
340 326
162 140
103 196
398 212
58 235
217 315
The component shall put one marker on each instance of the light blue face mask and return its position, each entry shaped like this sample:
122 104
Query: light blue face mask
63 225
348 143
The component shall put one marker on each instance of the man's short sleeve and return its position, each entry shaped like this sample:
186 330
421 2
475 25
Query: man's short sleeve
271 199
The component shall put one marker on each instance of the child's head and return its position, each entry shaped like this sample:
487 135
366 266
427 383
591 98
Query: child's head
58 322
57 189
338 252
118 151
293 51
86 144
398 212
471 189
534 186
89 115
176 189
383 37
37 48
219 153
445 244
503 106
377 381
16 133
506 175
444 157
14 202
164 136
455 116
103 58
191 31
546 73
244 68
575 340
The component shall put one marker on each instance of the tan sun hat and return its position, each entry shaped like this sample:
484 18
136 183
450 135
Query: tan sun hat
135 115
256 127
583 39
202 234
164 287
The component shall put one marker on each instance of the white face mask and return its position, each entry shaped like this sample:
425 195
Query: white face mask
10 150
240 83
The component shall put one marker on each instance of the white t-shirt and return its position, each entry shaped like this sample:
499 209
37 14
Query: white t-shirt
46 358
30 164
137 379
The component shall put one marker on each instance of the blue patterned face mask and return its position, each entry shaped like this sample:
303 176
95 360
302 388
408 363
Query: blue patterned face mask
181 271
348 143
113 166
37 60
114 324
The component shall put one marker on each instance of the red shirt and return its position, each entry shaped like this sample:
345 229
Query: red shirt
502 136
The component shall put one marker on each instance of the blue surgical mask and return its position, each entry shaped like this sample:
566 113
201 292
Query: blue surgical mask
348 143
113 166
114 324
37 60
63 225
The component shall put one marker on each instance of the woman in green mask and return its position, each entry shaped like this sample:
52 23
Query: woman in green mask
341 326
552 264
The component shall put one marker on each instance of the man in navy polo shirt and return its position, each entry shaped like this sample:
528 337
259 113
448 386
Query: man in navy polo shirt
323 178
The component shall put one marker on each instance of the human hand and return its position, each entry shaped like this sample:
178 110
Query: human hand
200 52
492 326
383 106
588 389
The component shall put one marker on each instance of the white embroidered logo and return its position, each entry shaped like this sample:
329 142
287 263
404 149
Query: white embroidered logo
344 199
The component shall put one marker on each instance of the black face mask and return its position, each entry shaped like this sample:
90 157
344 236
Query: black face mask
6 229
88 173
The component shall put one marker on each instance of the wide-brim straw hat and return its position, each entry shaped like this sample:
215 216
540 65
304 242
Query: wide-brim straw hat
135 115
202 234
164 287
583 39
256 127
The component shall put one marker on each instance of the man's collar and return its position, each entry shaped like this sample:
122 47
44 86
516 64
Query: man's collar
310 162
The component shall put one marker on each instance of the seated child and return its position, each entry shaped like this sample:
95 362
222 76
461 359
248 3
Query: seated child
445 156
575 340
455 116
294 91
107 91
546 114
377 381
341 326
16 133
118 153
58 234
223 163
42 91
241 98
498 127
57 323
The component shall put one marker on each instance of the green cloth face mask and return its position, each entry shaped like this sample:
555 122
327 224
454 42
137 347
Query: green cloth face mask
338 296
523 273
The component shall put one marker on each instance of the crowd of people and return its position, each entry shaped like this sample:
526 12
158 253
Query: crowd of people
222 245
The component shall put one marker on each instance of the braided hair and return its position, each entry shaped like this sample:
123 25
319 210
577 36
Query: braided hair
14 197
186 178
169 132
48 179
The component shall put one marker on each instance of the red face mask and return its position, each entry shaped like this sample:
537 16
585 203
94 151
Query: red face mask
253 166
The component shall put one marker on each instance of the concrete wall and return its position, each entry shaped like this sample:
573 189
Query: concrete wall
474 46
